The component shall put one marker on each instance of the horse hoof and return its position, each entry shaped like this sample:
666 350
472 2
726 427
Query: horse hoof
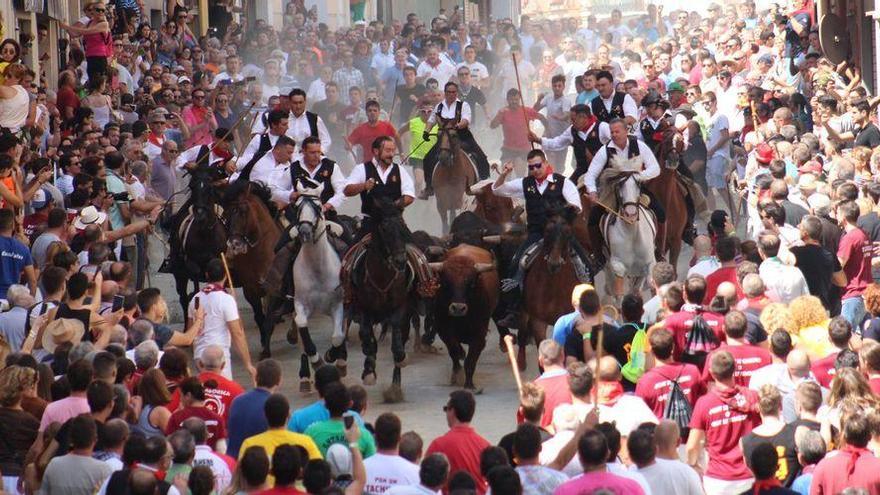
342 367
473 389
393 394
369 379
305 386
318 362
265 354
457 379
292 336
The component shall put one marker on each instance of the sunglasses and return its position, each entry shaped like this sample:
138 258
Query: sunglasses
98 11
535 166
173 152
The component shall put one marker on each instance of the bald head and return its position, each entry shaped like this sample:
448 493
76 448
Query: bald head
609 370
667 436
778 190
726 290
752 285
109 289
212 358
702 245
142 482
798 363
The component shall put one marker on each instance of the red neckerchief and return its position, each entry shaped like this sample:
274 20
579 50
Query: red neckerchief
213 287
854 454
549 173
153 138
159 474
761 485
609 393
224 154
591 120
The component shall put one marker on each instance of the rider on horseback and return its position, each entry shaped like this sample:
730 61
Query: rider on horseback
543 187
585 134
632 149
260 144
452 112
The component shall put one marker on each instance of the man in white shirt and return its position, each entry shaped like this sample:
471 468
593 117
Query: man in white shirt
664 476
585 135
386 469
433 474
706 263
786 281
433 67
479 72
717 150
205 456
260 144
611 104
217 154
300 123
273 170
222 327
232 73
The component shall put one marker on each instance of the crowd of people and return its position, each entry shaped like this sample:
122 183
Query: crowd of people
756 369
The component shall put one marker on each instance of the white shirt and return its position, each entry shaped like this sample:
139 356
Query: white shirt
224 76
317 91
220 310
251 149
557 113
630 109
787 282
716 124
443 72
411 490
479 72
514 189
152 150
298 129
222 474
359 176
705 266
382 61
337 179
652 168
621 470
668 477
387 471
192 155
64 183
629 412
448 111
651 308
273 174
564 139
268 92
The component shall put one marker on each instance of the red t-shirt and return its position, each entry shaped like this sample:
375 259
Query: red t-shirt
216 425
724 426
364 135
680 323
831 475
857 249
515 131
34 222
462 445
874 383
287 490
723 274
556 393
823 369
654 386
217 398
746 358
67 99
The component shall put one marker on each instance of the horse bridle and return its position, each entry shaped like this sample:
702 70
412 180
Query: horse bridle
314 203
619 181
234 208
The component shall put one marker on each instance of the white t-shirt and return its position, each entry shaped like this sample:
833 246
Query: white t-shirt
667 477
220 309
718 123
387 471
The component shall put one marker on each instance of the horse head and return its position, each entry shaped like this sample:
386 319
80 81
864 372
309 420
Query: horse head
628 193
671 146
447 145
391 233
558 233
241 203
309 214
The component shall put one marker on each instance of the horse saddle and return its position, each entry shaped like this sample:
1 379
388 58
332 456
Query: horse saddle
470 160
352 270
532 252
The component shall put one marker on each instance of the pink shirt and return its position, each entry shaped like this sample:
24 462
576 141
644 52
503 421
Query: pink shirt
62 410
747 359
592 482
193 116
98 44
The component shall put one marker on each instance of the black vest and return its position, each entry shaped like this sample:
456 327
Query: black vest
455 119
598 107
264 147
390 190
536 203
202 157
299 174
632 149
648 132
312 118
581 146
119 483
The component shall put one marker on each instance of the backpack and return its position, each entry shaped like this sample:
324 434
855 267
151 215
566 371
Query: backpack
635 363
678 409
700 341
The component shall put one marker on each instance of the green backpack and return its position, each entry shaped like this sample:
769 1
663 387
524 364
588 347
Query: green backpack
635 364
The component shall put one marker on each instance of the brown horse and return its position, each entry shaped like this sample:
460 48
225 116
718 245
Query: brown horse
671 194
453 175
252 234
549 282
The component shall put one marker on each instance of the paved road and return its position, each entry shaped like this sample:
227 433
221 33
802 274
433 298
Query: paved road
425 380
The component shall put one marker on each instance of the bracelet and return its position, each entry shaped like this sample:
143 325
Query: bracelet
353 445
586 336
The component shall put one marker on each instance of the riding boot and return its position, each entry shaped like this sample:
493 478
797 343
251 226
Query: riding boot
596 248
280 270
511 301
660 250
587 260
690 231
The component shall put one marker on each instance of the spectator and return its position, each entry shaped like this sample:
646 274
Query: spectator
628 411
839 335
786 281
154 308
326 433
553 380
811 450
17 427
14 321
661 274
680 321
154 417
656 384
748 357
664 476
855 258
246 413
77 472
462 445
593 453
193 404
317 411
277 411
854 466
221 466
536 479
776 432
183 447
386 468
726 249
15 257
820 267
531 408
433 473
764 462
219 390
252 472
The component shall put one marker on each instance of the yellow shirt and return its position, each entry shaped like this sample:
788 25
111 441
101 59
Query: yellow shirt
815 341
272 439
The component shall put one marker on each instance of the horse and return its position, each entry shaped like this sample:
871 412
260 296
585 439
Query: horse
630 236
198 232
316 278
453 175
670 193
549 281
384 292
252 236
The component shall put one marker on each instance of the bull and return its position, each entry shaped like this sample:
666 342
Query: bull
464 304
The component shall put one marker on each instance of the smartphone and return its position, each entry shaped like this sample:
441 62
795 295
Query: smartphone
118 301
196 303
89 270
348 419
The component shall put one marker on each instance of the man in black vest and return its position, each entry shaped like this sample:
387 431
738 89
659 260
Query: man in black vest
261 144
452 112
301 124
585 134
612 104
541 189
379 178
623 144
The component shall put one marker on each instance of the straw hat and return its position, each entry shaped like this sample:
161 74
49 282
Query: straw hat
61 331
89 216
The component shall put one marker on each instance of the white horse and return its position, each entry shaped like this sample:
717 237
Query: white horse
316 279
630 239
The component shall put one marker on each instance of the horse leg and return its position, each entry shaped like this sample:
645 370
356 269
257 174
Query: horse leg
399 336
310 351
456 353
522 340
337 353
470 363
253 298
369 348
274 309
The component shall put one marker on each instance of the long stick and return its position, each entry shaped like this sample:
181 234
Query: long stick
226 269
229 131
508 342
612 211
522 103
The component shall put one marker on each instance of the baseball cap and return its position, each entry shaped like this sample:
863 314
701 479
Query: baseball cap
40 199
674 86
764 153
158 115
183 79
766 58
818 201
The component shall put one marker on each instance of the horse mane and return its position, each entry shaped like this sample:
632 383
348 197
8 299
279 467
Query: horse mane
237 188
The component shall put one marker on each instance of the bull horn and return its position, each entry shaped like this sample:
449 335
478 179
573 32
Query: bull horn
436 266
484 267
435 250
492 239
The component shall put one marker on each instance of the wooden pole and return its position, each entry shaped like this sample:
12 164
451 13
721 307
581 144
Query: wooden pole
226 269
511 355
522 103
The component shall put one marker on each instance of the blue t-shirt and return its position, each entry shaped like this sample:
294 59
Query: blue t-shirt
246 419
585 97
14 257
802 484
311 414
563 327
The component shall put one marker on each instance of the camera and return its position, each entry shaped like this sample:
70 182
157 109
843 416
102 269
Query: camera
123 196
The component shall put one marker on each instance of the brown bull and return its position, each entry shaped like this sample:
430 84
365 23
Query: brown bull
463 306
497 210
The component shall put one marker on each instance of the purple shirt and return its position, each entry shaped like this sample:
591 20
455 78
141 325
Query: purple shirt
590 482
62 410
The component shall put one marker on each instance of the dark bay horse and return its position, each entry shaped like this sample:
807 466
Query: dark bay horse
385 293
550 280
671 193
453 176
252 235
198 233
